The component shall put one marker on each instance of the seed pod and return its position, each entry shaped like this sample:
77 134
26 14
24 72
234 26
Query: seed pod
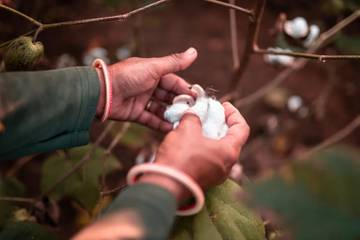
22 54
223 217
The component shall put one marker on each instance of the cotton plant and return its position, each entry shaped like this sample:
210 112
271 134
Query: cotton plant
299 30
281 60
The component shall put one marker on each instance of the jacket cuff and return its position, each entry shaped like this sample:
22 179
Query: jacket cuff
89 82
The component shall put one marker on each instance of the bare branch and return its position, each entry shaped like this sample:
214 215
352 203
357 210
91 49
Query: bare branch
234 37
114 190
281 77
232 6
114 18
108 151
319 104
337 137
252 35
120 17
30 19
319 57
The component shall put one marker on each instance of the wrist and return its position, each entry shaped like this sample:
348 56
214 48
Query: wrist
179 191
101 102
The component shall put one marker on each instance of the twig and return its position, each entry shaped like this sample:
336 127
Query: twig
337 137
19 164
234 37
299 63
251 38
120 17
112 145
18 200
320 102
281 77
320 57
30 19
79 164
232 6
111 191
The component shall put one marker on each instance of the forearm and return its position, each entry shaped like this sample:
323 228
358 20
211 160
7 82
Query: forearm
48 110
143 211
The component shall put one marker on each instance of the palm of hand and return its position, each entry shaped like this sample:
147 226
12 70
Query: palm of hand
137 81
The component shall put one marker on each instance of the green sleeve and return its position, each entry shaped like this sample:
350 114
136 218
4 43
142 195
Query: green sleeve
46 110
155 206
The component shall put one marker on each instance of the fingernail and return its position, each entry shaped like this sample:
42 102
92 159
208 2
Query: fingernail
190 51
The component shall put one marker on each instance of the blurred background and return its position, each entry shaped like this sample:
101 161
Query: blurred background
316 197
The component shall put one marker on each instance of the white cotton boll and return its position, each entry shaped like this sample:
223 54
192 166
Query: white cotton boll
294 103
210 112
215 126
279 59
95 53
297 28
174 112
313 35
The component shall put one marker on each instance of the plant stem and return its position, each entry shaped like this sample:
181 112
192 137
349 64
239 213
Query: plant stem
337 137
232 6
30 19
234 37
252 35
320 57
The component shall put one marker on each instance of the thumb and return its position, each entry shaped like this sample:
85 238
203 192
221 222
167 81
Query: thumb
191 122
175 62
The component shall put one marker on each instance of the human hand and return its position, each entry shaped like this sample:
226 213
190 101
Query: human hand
205 160
136 81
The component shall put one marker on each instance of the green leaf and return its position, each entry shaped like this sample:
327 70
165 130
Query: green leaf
9 187
223 217
26 231
83 186
321 200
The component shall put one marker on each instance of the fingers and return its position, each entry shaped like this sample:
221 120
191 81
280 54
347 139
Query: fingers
149 119
191 123
157 108
176 85
164 96
238 128
174 63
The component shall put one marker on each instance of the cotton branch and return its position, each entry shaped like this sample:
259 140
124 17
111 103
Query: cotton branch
232 6
111 147
298 64
319 57
30 19
120 17
252 35
234 37
337 137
